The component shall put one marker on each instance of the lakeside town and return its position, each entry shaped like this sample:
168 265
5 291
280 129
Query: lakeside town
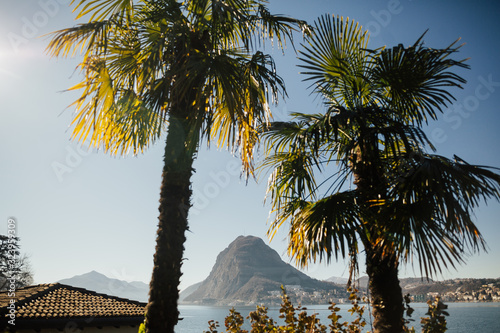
456 290
489 292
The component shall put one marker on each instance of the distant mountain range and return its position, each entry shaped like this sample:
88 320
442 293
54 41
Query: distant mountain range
337 280
250 272
95 281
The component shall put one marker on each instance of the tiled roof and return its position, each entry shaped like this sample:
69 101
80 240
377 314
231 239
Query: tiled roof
58 303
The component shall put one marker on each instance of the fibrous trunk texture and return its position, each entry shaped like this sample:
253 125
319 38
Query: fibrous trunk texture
162 313
381 259
385 293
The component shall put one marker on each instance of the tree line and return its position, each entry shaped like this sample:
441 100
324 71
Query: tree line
15 267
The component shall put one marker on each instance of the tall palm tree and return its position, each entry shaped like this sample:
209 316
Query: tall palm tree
190 68
359 177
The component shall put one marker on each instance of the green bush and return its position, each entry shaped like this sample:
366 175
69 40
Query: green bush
297 320
436 322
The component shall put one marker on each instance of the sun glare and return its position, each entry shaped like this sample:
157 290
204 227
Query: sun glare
7 61
14 61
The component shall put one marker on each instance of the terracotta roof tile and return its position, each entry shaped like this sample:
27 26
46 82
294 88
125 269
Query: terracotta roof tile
59 301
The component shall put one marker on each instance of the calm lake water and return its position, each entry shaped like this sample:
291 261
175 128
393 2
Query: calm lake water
464 317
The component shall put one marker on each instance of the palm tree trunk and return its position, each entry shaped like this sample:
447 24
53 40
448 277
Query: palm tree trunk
162 313
385 292
381 263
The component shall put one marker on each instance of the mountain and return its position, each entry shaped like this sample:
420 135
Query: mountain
337 280
95 281
249 272
188 291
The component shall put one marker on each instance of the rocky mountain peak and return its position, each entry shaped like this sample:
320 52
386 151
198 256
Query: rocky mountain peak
248 270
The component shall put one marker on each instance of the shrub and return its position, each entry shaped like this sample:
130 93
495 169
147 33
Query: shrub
436 323
296 319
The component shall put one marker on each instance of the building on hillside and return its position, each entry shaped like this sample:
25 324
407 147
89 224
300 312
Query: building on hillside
50 308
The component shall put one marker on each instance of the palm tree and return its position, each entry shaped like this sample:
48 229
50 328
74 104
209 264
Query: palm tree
359 175
189 68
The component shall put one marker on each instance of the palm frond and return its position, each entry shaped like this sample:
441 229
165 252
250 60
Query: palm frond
335 61
325 228
433 202
293 177
278 28
100 9
116 120
241 88
415 80
80 39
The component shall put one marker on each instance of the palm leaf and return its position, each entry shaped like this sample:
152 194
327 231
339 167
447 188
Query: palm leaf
432 206
415 80
100 9
335 60
325 228
82 38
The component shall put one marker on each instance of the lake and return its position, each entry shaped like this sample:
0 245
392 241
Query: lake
464 317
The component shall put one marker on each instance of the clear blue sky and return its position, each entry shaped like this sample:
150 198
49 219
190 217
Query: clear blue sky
79 211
